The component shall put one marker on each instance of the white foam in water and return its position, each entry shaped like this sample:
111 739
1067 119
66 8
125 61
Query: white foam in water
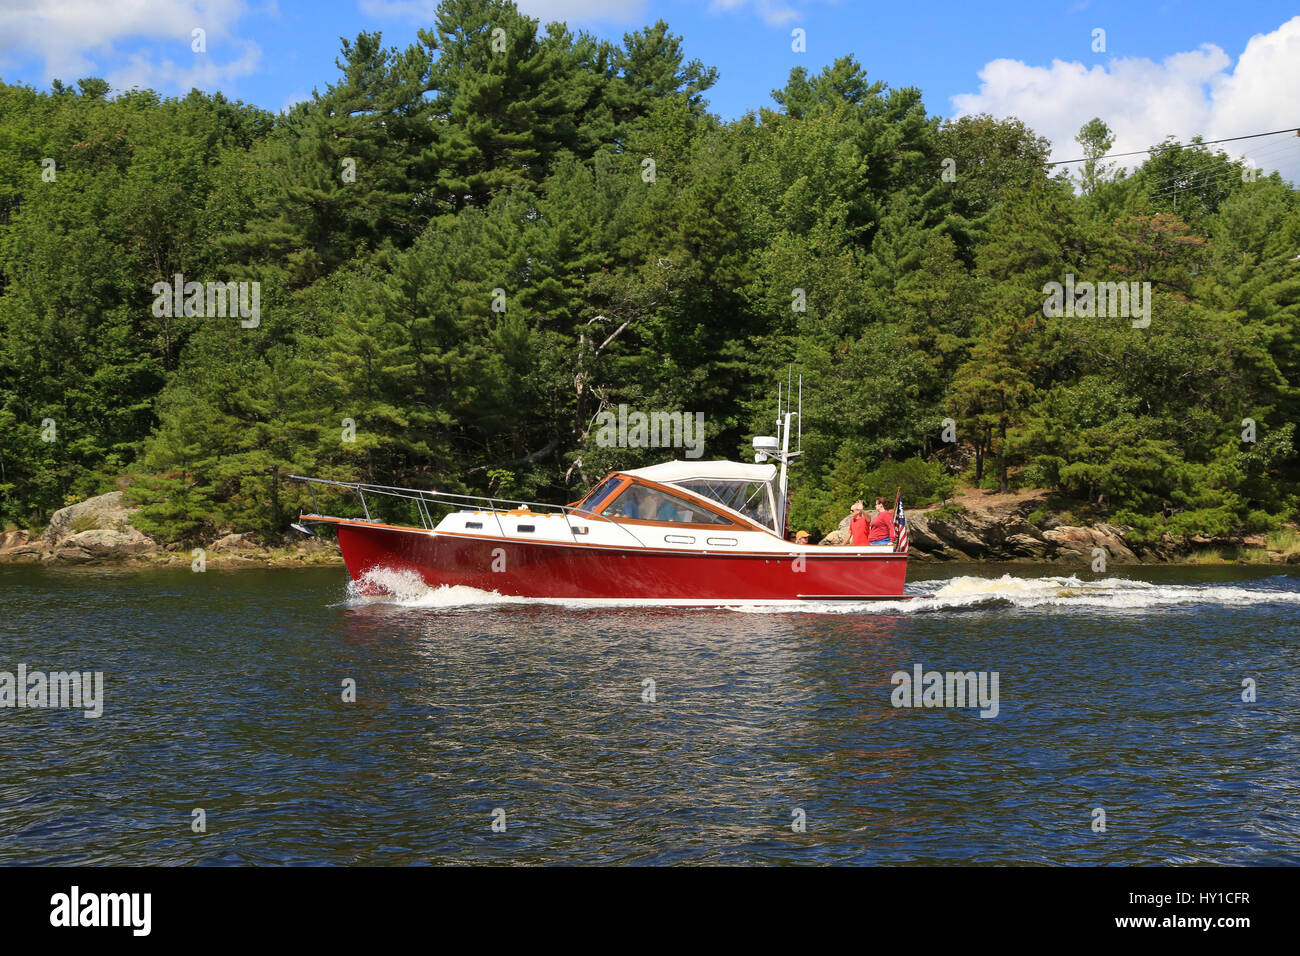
1117 594
407 589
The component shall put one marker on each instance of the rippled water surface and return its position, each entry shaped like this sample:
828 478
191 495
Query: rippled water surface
224 692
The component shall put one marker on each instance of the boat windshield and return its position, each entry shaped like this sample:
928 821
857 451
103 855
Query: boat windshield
650 504
597 496
748 497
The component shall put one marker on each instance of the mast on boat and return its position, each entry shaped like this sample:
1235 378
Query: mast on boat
778 446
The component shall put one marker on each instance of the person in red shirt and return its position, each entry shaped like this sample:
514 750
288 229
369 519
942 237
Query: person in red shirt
882 525
858 524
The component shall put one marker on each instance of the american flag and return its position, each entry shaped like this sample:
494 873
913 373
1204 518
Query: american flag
900 524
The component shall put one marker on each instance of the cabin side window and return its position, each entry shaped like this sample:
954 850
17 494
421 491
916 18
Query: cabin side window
750 498
651 504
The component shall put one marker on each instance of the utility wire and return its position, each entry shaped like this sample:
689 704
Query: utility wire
1157 149
1206 175
1263 159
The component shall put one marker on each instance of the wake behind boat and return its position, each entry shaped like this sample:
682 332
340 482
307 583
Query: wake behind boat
680 533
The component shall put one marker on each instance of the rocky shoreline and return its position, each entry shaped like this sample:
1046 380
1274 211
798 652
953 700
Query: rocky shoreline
1005 534
98 531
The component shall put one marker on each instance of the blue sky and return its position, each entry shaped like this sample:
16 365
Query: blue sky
1180 67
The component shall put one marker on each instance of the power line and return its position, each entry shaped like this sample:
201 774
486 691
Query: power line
1207 175
1270 154
1156 149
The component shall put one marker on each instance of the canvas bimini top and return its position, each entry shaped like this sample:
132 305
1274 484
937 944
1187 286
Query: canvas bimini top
672 472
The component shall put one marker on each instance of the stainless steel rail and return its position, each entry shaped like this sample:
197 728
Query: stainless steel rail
424 498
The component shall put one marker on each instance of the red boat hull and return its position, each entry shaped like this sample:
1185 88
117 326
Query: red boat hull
550 570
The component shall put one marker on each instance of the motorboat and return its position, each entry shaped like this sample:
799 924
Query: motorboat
681 532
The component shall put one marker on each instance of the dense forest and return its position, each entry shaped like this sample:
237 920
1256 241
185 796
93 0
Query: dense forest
467 249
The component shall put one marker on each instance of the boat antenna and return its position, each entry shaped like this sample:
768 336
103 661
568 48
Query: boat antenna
789 389
783 452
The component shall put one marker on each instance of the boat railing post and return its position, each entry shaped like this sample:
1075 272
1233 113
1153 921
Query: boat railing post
361 493
624 528
600 517
311 487
631 535
497 515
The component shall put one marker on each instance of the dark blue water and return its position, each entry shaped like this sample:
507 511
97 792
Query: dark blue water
224 692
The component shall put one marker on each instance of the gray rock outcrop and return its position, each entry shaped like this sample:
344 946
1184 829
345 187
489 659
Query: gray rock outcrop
97 529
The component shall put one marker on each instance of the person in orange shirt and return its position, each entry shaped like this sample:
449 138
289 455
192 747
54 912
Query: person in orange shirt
858 524
882 525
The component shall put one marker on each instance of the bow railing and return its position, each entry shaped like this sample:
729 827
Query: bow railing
424 499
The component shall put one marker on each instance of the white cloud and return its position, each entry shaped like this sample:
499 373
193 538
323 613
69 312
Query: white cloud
617 11
774 12
199 71
294 98
75 38
1199 91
